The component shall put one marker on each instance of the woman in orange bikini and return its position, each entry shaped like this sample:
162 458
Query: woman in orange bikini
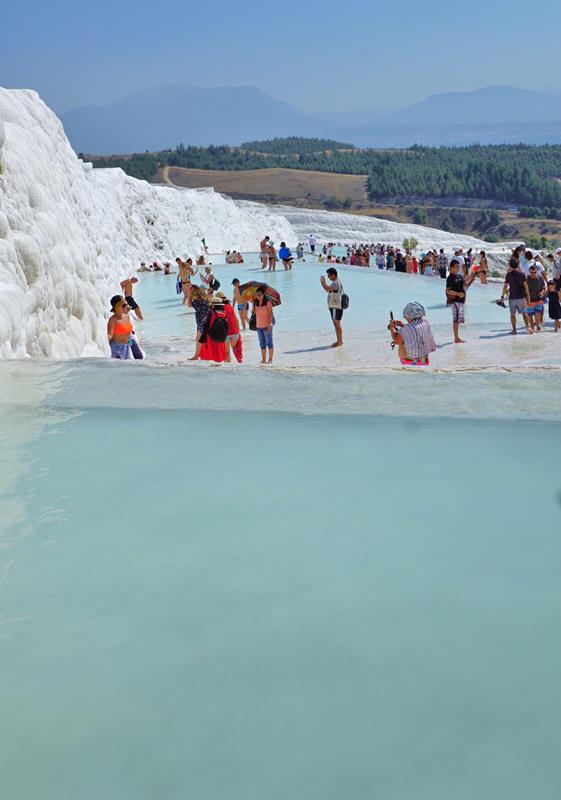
119 329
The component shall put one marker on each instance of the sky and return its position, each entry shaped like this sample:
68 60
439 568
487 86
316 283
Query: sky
317 56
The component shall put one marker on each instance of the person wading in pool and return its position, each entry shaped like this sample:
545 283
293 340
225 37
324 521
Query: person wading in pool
516 288
240 304
120 329
127 287
186 272
456 288
263 310
201 304
334 303
264 252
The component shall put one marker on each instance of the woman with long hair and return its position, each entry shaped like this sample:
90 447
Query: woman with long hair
200 303
263 310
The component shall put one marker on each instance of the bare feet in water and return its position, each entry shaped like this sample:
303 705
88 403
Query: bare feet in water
337 344
459 341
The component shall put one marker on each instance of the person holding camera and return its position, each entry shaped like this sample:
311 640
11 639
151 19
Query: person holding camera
414 340
334 302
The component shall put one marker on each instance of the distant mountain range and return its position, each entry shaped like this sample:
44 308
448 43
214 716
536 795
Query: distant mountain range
164 116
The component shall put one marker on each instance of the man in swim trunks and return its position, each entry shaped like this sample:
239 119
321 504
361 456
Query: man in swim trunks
239 303
127 287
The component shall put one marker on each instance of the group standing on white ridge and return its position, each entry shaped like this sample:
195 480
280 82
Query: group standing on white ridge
527 286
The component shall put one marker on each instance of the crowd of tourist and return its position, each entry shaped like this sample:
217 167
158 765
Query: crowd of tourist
531 283
387 257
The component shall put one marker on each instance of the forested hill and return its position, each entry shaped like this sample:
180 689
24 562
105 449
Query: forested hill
521 174
295 145
524 175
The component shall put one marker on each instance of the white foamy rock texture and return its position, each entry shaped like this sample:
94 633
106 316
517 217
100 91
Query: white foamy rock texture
70 234
330 226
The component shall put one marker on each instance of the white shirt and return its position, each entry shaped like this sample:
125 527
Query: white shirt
334 296
527 264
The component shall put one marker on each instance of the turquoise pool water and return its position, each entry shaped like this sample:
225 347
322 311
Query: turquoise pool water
304 332
373 294
260 584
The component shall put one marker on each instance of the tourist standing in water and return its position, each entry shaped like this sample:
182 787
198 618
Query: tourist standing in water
241 304
537 288
334 303
201 305
209 279
557 268
264 251
483 268
233 333
516 288
127 287
119 329
272 257
286 256
414 340
186 272
442 264
263 310
554 304
456 287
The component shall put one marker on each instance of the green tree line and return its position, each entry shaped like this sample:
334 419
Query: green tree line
524 175
521 174
295 145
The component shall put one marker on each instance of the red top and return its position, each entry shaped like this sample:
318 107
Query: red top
233 327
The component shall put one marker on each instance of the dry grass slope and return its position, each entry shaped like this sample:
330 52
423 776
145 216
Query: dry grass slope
272 184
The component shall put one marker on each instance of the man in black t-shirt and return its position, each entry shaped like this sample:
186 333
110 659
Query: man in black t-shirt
456 287
516 287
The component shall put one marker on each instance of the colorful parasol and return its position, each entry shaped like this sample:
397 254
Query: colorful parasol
248 292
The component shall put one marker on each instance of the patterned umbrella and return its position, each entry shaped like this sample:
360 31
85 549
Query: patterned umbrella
248 292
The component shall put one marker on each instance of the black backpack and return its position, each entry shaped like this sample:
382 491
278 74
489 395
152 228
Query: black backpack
344 299
218 330
215 285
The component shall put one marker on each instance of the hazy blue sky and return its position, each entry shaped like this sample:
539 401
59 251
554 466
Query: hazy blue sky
316 55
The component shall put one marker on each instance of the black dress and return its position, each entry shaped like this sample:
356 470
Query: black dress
554 305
